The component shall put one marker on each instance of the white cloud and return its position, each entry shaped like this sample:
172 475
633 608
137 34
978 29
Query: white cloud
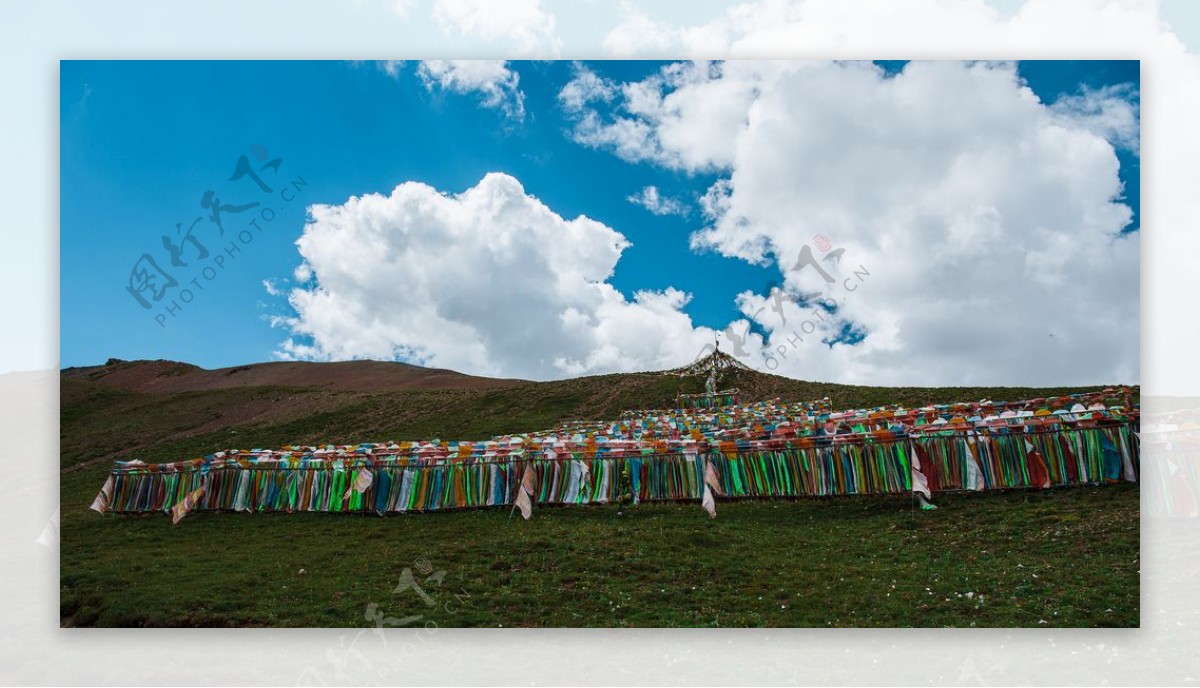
1111 112
585 88
650 199
269 285
983 225
715 202
391 67
986 221
523 26
1048 29
662 119
496 84
489 281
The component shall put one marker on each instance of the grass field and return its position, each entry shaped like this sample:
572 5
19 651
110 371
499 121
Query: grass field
1065 557
1056 558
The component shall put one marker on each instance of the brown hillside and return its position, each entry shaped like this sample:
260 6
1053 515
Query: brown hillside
167 411
171 377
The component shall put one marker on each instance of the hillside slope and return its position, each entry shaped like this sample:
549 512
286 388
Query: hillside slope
166 377
165 411
566 567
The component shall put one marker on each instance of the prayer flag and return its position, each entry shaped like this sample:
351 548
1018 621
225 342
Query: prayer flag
525 492
712 484
100 504
182 508
362 480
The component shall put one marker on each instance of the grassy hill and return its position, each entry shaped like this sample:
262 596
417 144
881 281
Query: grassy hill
142 571
165 411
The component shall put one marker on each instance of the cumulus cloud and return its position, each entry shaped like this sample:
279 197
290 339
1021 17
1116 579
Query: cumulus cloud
650 199
1136 29
937 226
489 281
523 26
584 89
664 119
496 84
1111 112
986 222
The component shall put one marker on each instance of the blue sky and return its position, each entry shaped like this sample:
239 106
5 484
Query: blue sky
141 142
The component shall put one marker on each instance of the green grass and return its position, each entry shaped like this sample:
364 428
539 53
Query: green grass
1069 557
1066 558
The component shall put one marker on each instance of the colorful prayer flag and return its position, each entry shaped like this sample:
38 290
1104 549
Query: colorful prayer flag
182 508
362 481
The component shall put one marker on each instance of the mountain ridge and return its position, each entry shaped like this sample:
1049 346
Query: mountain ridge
161 376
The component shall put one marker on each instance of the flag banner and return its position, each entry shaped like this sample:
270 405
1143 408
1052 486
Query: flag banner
712 486
100 504
755 450
526 492
404 483
182 508
362 480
